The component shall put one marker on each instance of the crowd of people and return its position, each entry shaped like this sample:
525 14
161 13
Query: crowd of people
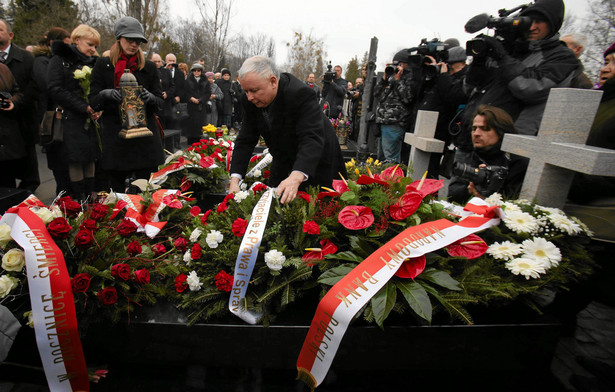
503 89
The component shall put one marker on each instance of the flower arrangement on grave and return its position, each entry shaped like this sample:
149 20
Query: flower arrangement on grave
118 266
200 168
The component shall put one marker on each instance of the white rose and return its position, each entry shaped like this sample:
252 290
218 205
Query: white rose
13 260
241 196
79 74
56 211
45 214
5 235
7 284
193 281
28 315
275 259
195 235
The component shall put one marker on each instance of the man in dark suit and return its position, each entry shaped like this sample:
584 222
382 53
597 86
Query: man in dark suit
282 109
168 90
20 62
179 80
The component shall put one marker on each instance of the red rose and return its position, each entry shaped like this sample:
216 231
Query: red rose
159 249
121 271
205 217
80 283
266 173
180 282
134 248
107 296
59 228
224 281
99 211
69 206
222 207
197 252
356 217
259 188
180 244
126 228
142 276
239 227
194 211
311 227
84 239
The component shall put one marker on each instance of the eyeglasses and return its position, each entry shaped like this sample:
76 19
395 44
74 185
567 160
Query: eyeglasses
197 70
133 40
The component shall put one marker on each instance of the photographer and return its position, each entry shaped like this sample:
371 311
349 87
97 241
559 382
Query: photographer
333 90
395 91
490 169
517 70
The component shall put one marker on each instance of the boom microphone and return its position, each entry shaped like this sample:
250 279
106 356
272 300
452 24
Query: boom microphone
477 23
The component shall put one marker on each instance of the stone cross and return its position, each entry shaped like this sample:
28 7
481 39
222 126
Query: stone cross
559 150
423 142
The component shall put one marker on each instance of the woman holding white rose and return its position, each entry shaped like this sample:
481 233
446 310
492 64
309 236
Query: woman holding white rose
68 83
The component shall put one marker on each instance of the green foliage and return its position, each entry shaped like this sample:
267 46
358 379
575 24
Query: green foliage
33 18
353 70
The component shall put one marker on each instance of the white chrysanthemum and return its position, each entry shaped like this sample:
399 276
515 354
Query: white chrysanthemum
566 225
195 235
243 186
505 250
494 200
257 173
525 266
194 282
275 259
521 222
550 210
241 196
583 226
188 256
542 251
226 144
510 207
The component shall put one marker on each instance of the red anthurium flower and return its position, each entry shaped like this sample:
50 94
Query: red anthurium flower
340 186
206 162
356 217
429 186
185 184
326 248
305 196
412 267
194 211
311 227
406 205
391 173
172 201
367 180
470 247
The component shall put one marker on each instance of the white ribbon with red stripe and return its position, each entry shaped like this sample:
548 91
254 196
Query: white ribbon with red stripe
146 219
51 297
267 159
351 293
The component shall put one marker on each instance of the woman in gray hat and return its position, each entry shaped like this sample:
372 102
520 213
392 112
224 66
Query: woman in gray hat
127 158
197 94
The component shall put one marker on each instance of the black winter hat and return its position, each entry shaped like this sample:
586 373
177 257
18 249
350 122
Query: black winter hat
552 11
225 71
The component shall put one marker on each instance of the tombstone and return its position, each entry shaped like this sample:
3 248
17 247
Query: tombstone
559 150
423 142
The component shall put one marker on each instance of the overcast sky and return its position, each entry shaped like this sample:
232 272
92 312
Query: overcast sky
347 26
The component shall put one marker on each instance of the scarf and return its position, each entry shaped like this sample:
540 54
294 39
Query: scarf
122 63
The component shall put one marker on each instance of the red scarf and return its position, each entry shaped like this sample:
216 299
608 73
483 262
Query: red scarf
122 63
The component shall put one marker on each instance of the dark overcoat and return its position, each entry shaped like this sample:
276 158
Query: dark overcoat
298 134
200 90
126 154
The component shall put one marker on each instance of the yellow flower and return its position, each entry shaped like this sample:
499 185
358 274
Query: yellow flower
369 160
357 172
377 163
209 128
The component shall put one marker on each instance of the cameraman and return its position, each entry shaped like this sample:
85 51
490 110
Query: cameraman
333 92
395 91
496 170
519 79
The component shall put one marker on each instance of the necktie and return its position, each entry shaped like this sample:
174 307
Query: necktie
3 56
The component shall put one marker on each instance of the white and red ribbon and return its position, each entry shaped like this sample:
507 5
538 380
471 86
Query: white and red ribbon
248 252
146 219
267 159
351 293
51 297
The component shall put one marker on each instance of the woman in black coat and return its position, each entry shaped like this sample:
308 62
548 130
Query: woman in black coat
197 92
123 159
13 153
70 66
